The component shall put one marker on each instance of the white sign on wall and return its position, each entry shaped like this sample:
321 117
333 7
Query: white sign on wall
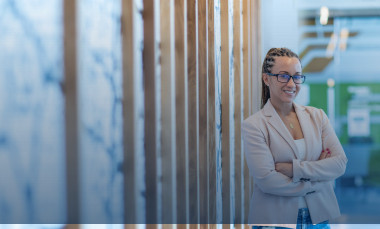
358 122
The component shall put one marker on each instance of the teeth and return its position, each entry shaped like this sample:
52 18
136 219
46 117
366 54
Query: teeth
291 92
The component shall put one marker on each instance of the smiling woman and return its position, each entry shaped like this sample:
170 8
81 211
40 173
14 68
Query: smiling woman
292 152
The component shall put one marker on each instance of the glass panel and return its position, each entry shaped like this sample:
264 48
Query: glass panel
100 95
31 112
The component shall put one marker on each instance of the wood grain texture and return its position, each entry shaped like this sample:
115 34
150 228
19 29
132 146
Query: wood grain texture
203 226
130 226
168 226
180 103
168 115
246 61
72 226
182 226
211 115
150 144
203 114
128 45
247 95
70 88
256 57
237 102
192 81
151 226
225 67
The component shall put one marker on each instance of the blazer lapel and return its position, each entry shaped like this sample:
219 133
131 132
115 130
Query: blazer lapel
305 122
277 124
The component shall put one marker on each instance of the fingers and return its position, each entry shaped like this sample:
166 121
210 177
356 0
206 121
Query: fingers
325 154
328 153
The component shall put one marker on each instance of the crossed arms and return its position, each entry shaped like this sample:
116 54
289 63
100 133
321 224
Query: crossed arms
296 178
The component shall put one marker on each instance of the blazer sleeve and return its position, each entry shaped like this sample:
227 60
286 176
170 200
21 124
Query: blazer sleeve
327 169
262 167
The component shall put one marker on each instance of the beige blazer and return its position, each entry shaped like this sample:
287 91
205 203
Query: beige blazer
275 196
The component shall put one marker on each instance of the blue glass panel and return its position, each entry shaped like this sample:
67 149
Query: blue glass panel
100 87
32 180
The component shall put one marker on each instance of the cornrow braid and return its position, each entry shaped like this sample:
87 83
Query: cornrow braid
268 63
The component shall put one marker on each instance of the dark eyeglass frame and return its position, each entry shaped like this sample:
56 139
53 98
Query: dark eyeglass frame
302 77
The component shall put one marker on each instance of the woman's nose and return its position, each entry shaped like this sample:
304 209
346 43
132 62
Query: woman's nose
291 82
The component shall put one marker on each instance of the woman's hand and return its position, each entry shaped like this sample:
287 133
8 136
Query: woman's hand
325 154
285 168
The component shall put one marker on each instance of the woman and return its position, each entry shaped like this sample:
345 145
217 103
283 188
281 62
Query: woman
292 152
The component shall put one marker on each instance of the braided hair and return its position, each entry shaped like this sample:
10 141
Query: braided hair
268 63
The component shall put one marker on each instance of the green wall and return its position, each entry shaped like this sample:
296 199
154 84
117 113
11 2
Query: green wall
318 98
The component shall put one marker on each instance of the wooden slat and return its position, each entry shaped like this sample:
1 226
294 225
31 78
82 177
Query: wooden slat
256 57
211 115
130 226
181 147
181 226
249 43
128 44
203 115
168 116
71 111
247 94
167 226
192 110
149 70
225 67
151 226
203 226
246 59
72 226
237 95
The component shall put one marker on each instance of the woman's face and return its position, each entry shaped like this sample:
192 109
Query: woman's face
283 92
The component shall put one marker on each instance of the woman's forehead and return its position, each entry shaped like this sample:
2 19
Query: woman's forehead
287 63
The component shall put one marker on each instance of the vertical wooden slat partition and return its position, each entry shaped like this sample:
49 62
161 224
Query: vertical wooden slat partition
168 139
256 55
211 114
203 114
192 106
247 93
173 142
181 120
225 69
149 70
128 44
71 111
237 101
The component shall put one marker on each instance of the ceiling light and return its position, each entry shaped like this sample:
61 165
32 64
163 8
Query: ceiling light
324 15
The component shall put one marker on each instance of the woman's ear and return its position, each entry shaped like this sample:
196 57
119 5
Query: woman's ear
265 79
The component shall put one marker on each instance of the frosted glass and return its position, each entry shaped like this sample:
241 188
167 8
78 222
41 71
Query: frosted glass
32 164
100 93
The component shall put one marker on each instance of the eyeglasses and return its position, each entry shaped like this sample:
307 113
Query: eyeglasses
284 78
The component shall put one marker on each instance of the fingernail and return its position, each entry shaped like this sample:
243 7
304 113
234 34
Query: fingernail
328 149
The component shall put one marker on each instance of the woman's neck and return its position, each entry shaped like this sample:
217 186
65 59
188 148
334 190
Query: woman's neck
283 109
